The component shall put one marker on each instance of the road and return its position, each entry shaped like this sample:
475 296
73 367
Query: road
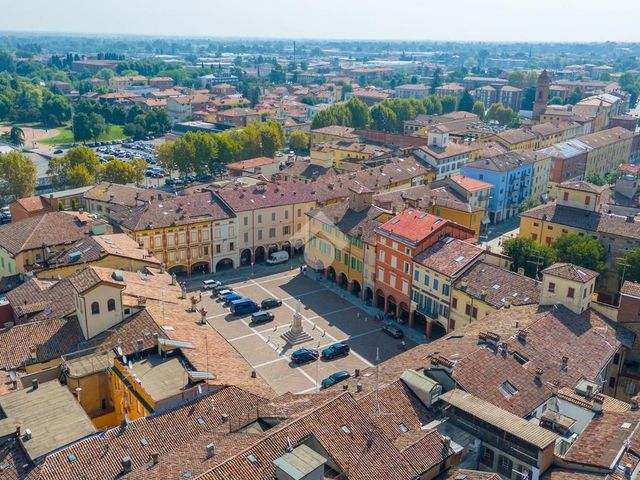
500 232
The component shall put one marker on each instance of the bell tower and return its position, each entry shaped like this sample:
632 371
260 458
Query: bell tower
542 95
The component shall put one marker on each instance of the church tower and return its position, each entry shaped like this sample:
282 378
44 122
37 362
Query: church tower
542 95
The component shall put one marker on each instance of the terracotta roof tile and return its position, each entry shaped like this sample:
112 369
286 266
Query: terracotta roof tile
631 289
121 194
450 257
412 225
570 271
41 299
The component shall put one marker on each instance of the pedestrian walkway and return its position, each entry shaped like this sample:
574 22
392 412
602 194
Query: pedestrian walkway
374 312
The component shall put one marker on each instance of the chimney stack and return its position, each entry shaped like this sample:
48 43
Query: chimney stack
211 450
589 391
598 401
634 403
565 362
539 372
154 458
522 336
126 464
359 387
34 384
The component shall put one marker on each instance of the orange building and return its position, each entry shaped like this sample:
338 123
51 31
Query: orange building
398 241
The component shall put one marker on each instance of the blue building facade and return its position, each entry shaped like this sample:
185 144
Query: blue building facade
511 177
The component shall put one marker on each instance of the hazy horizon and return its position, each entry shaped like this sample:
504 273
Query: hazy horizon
402 20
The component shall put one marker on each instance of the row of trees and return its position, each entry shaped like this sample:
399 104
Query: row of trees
201 152
80 167
570 248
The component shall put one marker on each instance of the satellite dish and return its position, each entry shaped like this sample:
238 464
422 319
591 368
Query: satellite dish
124 359
130 365
119 351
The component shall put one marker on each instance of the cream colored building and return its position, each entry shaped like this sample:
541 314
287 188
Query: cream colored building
270 217
609 148
569 285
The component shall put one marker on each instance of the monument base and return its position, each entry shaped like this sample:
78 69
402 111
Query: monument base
295 338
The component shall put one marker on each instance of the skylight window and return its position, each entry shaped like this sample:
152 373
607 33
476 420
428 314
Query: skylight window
404 428
345 429
496 286
252 458
507 389
144 442
71 457
460 258
200 421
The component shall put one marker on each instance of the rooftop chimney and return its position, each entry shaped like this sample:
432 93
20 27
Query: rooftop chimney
598 400
565 362
359 387
589 391
539 372
34 384
154 458
634 403
522 336
126 464
507 303
520 270
211 450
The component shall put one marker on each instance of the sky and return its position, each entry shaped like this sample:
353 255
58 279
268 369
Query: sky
465 20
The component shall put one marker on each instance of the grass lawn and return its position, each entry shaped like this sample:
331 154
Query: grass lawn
66 136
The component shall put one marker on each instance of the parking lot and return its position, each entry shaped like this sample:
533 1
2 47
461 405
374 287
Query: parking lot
326 316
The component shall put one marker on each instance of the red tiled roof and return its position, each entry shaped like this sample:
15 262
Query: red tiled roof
570 272
412 225
251 163
470 184
449 258
631 289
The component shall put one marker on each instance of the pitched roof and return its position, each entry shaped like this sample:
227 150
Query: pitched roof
606 137
51 228
89 277
170 211
570 271
251 163
470 184
359 225
50 338
266 195
336 130
494 285
505 162
42 299
412 226
34 203
631 289
512 424
582 187
563 215
449 257
451 150
117 194
164 432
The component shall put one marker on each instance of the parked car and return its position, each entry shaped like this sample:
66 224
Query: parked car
270 303
232 297
262 317
392 330
221 288
335 350
210 284
335 378
304 355
223 293
57 152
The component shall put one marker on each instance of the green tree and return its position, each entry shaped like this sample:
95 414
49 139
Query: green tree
383 118
164 155
528 204
16 136
360 117
98 126
299 141
183 156
478 109
134 130
55 111
526 253
629 265
556 101
77 168
7 63
595 178
499 113
81 126
466 102
449 104
18 175
79 176
580 250
205 149
139 166
228 149
117 171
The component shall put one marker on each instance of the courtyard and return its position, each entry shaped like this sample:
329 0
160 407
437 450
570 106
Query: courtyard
326 316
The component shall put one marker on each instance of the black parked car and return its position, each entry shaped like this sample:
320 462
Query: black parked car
304 355
335 350
270 303
391 329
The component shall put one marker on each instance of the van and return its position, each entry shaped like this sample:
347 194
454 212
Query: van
278 257
244 306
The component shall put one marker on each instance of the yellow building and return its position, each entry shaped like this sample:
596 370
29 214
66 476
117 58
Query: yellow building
269 217
27 244
485 288
102 197
608 149
538 136
188 233
575 212
339 234
333 154
117 251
